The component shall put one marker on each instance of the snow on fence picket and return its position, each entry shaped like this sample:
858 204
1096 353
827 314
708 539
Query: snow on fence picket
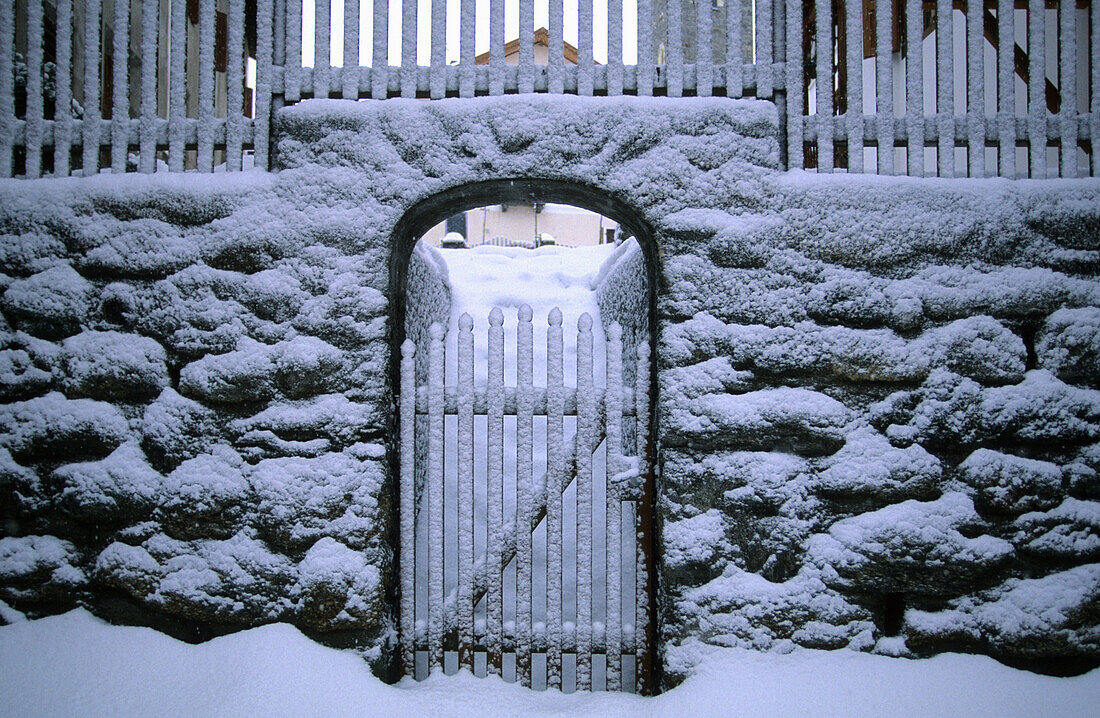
471 617
859 84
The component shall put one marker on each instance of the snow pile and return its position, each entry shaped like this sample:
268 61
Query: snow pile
76 665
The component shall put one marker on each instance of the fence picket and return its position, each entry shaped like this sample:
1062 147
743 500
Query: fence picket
291 73
234 83
496 47
914 88
349 89
465 491
674 51
945 89
147 128
1067 87
704 51
433 486
734 59
645 69
494 640
206 86
975 88
586 409
408 48
437 77
555 472
262 119
408 507
853 90
322 50
524 491
642 577
615 47
63 109
613 423
90 124
584 47
380 60
1006 89
7 96
526 81
823 27
884 87
556 67
796 101
764 39
1036 88
34 107
1094 119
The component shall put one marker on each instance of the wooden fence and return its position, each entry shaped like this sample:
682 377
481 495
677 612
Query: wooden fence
434 621
1005 87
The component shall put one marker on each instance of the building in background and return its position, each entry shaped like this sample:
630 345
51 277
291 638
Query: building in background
521 224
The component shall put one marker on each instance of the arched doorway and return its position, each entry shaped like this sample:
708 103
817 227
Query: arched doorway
605 640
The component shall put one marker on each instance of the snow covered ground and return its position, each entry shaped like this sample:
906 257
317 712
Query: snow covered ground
77 665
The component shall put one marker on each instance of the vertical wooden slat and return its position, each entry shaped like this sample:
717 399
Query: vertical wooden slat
434 487
349 89
206 86
555 471
494 495
613 423
823 27
556 69
1094 122
465 492
147 139
524 490
262 122
34 107
437 79
642 579
234 82
853 30
322 47
975 88
526 46
584 47
1067 86
278 30
914 88
466 28
674 51
586 410
293 69
7 94
704 50
496 47
120 85
408 508
884 87
91 88
945 89
795 83
615 47
1036 88
63 111
380 61
734 60
764 39
645 68
1006 90
408 48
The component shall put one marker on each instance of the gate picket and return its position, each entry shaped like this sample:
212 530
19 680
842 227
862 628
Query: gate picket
600 419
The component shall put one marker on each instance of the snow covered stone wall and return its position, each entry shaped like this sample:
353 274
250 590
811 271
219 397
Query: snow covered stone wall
878 405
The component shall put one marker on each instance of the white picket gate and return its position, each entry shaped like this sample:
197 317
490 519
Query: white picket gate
468 618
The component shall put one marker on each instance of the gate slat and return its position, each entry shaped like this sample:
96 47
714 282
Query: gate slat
408 48
764 39
555 470
349 80
556 62
494 639
496 47
526 46
322 49
585 411
1006 90
524 491
264 50
206 86
641 570
408 506
465 491
291 73
645 47
704 50
945 88
380 59
734 60
613 422
234 81
584 47
1094 122
467 18
674 51
795 84
434 487
615 47
7 96
437 78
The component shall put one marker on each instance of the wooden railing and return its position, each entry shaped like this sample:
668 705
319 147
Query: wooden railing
882 85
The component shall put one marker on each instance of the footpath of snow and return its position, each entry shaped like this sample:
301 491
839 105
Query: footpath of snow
78 665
